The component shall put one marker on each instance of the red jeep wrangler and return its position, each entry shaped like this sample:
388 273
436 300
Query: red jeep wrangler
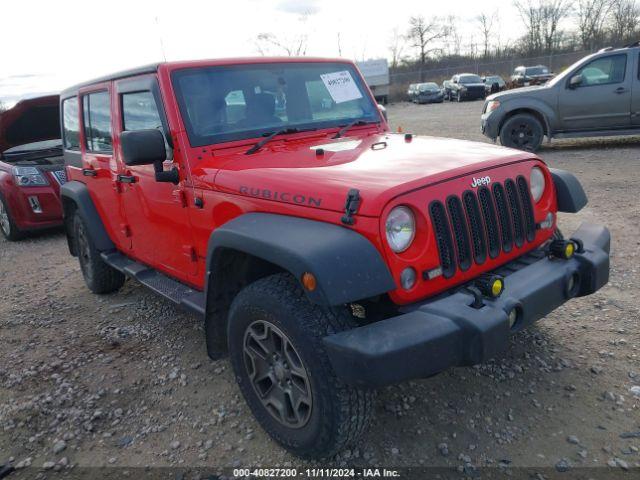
326 255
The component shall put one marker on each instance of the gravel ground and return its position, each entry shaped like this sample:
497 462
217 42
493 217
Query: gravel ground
123 380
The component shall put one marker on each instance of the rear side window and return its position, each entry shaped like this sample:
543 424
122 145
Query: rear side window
97 121
71 124
140 112
604 70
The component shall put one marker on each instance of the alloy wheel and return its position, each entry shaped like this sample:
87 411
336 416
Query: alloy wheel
277 374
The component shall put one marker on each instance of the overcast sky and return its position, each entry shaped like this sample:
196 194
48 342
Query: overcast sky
47 45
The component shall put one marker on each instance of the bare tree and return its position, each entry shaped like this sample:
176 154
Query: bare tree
454 39
592 15
542 20
624 19
396 47
486 24
423 35
293 45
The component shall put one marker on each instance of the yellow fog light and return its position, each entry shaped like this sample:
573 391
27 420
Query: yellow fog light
563 249
490 285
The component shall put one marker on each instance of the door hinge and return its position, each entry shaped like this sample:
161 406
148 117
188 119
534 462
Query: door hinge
180 197
190 251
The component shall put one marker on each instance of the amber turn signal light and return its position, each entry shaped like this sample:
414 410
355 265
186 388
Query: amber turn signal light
309 281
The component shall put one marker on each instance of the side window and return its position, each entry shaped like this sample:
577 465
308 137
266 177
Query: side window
140 112
604 70
97 121
71 124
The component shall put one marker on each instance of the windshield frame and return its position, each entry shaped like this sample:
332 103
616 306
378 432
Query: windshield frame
196 140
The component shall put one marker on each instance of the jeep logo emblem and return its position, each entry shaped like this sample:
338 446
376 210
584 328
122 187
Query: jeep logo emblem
480 181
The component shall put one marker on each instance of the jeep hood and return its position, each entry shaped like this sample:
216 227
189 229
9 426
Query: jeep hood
380 166
31 120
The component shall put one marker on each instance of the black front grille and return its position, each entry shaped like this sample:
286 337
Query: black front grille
460 232
443 238
468 229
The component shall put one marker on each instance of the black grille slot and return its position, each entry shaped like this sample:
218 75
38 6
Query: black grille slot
503 217
527 209
460 232
443 238
478 239
490 221
516 211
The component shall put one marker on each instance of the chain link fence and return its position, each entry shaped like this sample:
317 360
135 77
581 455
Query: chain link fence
400 79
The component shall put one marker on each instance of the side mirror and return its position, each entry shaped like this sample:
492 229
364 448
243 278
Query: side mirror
143 147
575 81
383 111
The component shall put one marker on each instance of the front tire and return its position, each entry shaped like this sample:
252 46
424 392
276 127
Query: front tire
522 131
7 226
283 371
99 277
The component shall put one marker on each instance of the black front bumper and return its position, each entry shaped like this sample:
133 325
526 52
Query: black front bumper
448 332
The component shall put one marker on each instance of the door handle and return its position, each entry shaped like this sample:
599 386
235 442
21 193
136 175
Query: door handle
126 178
89 172
620 90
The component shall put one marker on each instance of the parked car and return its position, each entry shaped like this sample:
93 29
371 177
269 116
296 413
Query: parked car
494 84
412 91
428 92
326 255
31 167
446 89
526 76
596 96
467 86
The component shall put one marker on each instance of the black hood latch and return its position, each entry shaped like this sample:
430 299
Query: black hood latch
351 206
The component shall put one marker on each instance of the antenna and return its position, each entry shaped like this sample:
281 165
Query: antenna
164 57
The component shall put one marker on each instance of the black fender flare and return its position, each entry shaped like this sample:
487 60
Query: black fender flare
78 193
569 192
346 265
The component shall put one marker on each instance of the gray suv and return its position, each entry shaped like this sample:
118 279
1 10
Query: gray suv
598 95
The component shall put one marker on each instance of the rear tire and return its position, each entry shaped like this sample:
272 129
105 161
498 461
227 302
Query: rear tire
7 226
522 131
302 405
99 277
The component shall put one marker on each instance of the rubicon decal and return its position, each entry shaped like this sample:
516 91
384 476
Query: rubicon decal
476 182
297 198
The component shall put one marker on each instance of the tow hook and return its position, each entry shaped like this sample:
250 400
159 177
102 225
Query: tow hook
351 206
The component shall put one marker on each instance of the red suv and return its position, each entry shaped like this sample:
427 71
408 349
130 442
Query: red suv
31 167
326 255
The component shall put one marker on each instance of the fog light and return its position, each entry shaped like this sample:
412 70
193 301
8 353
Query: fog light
562 249
547 223
513 317
408 278
491 285
35 204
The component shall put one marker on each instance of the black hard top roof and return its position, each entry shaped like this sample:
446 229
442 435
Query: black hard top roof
151 68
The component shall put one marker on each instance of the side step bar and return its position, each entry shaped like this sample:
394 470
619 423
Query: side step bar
180 294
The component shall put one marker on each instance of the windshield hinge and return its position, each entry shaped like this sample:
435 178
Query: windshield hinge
351 206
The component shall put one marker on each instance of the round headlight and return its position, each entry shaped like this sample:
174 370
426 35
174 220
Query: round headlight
537 183
401 228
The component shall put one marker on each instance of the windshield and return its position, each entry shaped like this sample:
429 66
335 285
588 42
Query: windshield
222 103
470 79
537 71
428 86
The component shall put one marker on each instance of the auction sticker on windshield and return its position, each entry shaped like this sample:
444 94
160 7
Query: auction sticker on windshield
341 86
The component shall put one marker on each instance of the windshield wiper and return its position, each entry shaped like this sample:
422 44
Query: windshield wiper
355 123
271 135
